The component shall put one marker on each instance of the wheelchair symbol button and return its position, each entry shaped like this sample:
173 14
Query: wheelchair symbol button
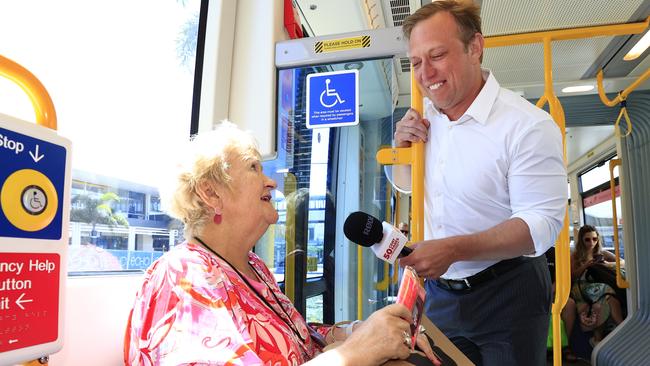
34 200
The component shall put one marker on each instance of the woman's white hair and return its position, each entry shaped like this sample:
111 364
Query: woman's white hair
205 157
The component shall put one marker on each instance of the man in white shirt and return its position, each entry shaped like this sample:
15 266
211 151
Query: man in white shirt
495 193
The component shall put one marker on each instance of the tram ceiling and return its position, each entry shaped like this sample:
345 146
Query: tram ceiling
519 68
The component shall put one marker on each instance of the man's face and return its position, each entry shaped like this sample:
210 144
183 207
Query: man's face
447 72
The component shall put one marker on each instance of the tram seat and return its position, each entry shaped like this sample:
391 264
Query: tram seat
96 312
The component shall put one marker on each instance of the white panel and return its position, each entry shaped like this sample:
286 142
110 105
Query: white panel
217 61
259 25
333 16
580 140
96 311
530 16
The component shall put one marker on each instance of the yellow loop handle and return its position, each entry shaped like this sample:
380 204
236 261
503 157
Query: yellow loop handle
622 95
617 128
40 98
620 281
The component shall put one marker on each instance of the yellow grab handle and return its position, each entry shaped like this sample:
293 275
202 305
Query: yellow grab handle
622 95
620 281
40 98
562 266
414 156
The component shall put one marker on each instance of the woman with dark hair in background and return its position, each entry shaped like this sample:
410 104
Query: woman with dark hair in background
599 310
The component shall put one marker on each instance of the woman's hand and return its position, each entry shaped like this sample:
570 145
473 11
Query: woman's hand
423 343
380 338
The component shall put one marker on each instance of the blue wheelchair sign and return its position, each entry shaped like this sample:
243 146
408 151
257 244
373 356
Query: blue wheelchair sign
333 99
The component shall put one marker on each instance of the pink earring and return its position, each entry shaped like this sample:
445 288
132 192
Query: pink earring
217 219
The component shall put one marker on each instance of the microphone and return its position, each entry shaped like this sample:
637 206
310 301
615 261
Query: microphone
385 240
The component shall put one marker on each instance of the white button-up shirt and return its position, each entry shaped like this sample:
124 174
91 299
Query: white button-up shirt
502 159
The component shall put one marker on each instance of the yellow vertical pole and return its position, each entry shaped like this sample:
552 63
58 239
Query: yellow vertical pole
398 212
383 284
620 281
359 282
417 169
290 186
562 271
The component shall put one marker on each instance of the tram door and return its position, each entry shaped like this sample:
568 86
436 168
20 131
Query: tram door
326 173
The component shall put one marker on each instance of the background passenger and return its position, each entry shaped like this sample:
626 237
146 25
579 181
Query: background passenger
597 305
211 300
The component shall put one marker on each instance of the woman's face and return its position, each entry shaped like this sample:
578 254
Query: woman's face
590 239
248 204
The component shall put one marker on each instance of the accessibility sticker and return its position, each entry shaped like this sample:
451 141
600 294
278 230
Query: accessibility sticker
333 99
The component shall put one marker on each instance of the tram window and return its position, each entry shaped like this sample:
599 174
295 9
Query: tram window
301 171
122 85
596 175
315 309
597 203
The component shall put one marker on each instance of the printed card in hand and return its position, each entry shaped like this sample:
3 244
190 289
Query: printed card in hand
411 294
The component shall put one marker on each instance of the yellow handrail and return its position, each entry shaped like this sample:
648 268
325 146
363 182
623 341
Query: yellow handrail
359 282
398 211
567 34
291 191
414 156
620 98
562 260
38 95
623 94
620 281
383 284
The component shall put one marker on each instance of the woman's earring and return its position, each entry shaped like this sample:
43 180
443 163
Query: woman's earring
217 218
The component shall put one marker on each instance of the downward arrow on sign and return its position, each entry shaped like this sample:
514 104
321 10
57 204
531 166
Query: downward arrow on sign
35 155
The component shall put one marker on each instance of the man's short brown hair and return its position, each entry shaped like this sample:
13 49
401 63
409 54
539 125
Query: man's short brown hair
466 13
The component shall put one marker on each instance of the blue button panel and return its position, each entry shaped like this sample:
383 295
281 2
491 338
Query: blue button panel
19 152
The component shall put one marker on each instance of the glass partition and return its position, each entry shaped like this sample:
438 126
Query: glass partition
323 175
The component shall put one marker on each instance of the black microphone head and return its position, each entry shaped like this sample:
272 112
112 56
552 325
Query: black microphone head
363 229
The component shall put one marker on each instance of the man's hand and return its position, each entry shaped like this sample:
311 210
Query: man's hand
411 128
430 258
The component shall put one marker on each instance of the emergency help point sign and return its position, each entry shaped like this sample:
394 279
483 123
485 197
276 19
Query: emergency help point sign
35 183
29 299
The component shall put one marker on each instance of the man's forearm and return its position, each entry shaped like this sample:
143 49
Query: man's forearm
508 239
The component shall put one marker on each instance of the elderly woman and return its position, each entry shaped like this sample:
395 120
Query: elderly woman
212 301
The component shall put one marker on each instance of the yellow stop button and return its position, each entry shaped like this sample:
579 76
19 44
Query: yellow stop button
29 200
